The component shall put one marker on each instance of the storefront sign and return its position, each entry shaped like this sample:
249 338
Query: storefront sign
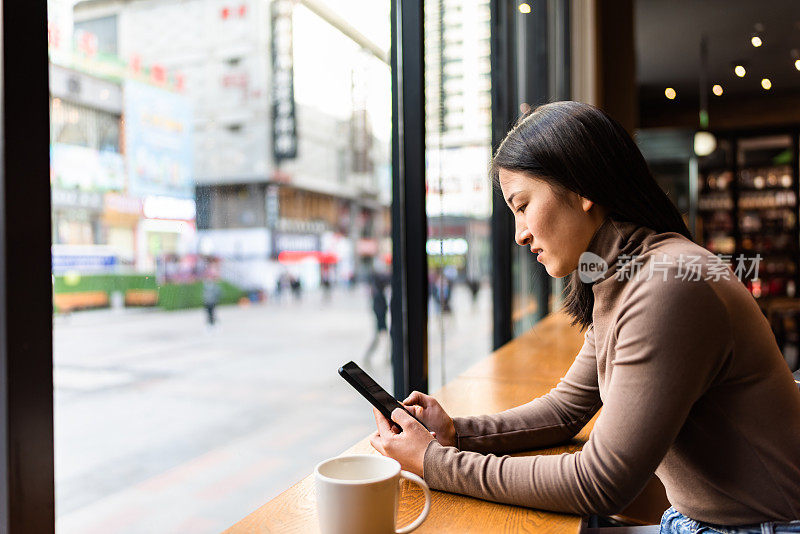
182 209
284 126
75 198
449 247
118 203
295 242
158 133
301 226
84 259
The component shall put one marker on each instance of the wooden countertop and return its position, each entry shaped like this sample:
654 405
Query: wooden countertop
525 368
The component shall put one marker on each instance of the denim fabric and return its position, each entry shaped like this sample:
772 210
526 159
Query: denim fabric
674 522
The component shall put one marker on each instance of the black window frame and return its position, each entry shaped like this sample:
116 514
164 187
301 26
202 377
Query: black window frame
27 489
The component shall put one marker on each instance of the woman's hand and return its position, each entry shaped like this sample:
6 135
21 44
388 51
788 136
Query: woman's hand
407 447
430 412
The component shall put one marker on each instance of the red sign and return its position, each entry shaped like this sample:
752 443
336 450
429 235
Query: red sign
294 256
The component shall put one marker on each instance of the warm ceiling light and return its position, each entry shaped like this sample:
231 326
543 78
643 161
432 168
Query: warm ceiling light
766 84
670 93
797 64
524 8
739 70
704 143
756 41
717 90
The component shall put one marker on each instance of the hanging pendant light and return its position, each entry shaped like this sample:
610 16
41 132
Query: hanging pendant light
704 141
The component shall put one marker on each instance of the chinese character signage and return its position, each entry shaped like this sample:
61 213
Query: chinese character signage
284 125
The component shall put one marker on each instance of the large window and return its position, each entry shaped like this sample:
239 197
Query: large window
221 191
458 151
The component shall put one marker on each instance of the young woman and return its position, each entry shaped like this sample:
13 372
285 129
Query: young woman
676 351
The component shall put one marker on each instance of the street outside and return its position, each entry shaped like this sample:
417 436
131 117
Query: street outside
164 425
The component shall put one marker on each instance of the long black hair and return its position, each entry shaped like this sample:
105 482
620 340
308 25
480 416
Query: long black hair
577 147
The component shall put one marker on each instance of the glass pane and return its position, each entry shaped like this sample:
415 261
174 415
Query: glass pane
458 151
221 246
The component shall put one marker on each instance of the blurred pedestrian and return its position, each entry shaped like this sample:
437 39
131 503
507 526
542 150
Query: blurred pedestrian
297 287
211 294
474 286
282 286
325 283
380 306
440 290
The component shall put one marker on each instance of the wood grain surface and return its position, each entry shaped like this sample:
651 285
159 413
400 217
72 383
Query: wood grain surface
525 368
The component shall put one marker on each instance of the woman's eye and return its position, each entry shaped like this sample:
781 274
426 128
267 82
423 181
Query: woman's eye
521 209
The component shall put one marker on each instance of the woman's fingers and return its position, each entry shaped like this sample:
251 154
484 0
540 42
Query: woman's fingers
416 398
416 411
375 441
384 425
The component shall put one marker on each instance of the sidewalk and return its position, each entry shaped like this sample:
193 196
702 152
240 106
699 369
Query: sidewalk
165 426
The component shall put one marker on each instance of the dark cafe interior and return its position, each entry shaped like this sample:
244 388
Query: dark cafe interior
444 266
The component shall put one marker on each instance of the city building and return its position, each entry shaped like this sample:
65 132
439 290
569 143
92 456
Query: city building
458 134
313 201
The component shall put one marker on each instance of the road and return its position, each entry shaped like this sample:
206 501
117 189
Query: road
163 425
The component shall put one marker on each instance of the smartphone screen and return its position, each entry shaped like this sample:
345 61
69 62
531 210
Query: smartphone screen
371 390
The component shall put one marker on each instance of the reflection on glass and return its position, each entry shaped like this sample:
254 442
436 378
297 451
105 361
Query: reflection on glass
458 202
221 246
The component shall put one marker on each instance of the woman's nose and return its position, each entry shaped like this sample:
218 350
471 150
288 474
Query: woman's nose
523 236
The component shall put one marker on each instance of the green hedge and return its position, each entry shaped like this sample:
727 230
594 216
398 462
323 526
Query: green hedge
181 296
103 282
170 296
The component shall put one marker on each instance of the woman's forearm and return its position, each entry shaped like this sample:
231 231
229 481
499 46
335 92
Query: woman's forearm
545 421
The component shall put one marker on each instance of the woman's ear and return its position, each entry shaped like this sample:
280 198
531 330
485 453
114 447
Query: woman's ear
586 204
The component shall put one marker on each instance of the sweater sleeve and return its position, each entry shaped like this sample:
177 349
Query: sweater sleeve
544 421
671 340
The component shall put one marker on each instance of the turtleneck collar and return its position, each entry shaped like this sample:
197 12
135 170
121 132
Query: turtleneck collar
613 238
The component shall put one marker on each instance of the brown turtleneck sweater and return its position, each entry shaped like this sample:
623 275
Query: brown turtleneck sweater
692 385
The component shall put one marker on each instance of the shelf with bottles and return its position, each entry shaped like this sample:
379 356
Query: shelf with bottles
715 228
720 244
769 244
766 287
760 200
717 180
764 150
770 266
767 221
747 204
771 178
776 275
715 201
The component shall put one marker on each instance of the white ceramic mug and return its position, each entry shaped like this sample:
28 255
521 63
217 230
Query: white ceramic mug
360 494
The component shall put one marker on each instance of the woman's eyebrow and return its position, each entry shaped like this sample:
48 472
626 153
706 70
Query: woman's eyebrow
511 197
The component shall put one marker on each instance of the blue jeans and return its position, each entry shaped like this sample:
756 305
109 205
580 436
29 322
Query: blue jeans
674 522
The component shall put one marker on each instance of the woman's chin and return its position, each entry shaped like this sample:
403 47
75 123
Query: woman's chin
555 271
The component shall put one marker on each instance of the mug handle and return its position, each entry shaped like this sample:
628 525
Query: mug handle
421 483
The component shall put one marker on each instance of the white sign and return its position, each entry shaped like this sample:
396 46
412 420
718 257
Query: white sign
157 207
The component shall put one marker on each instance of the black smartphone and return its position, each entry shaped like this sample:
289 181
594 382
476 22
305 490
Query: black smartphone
372 391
